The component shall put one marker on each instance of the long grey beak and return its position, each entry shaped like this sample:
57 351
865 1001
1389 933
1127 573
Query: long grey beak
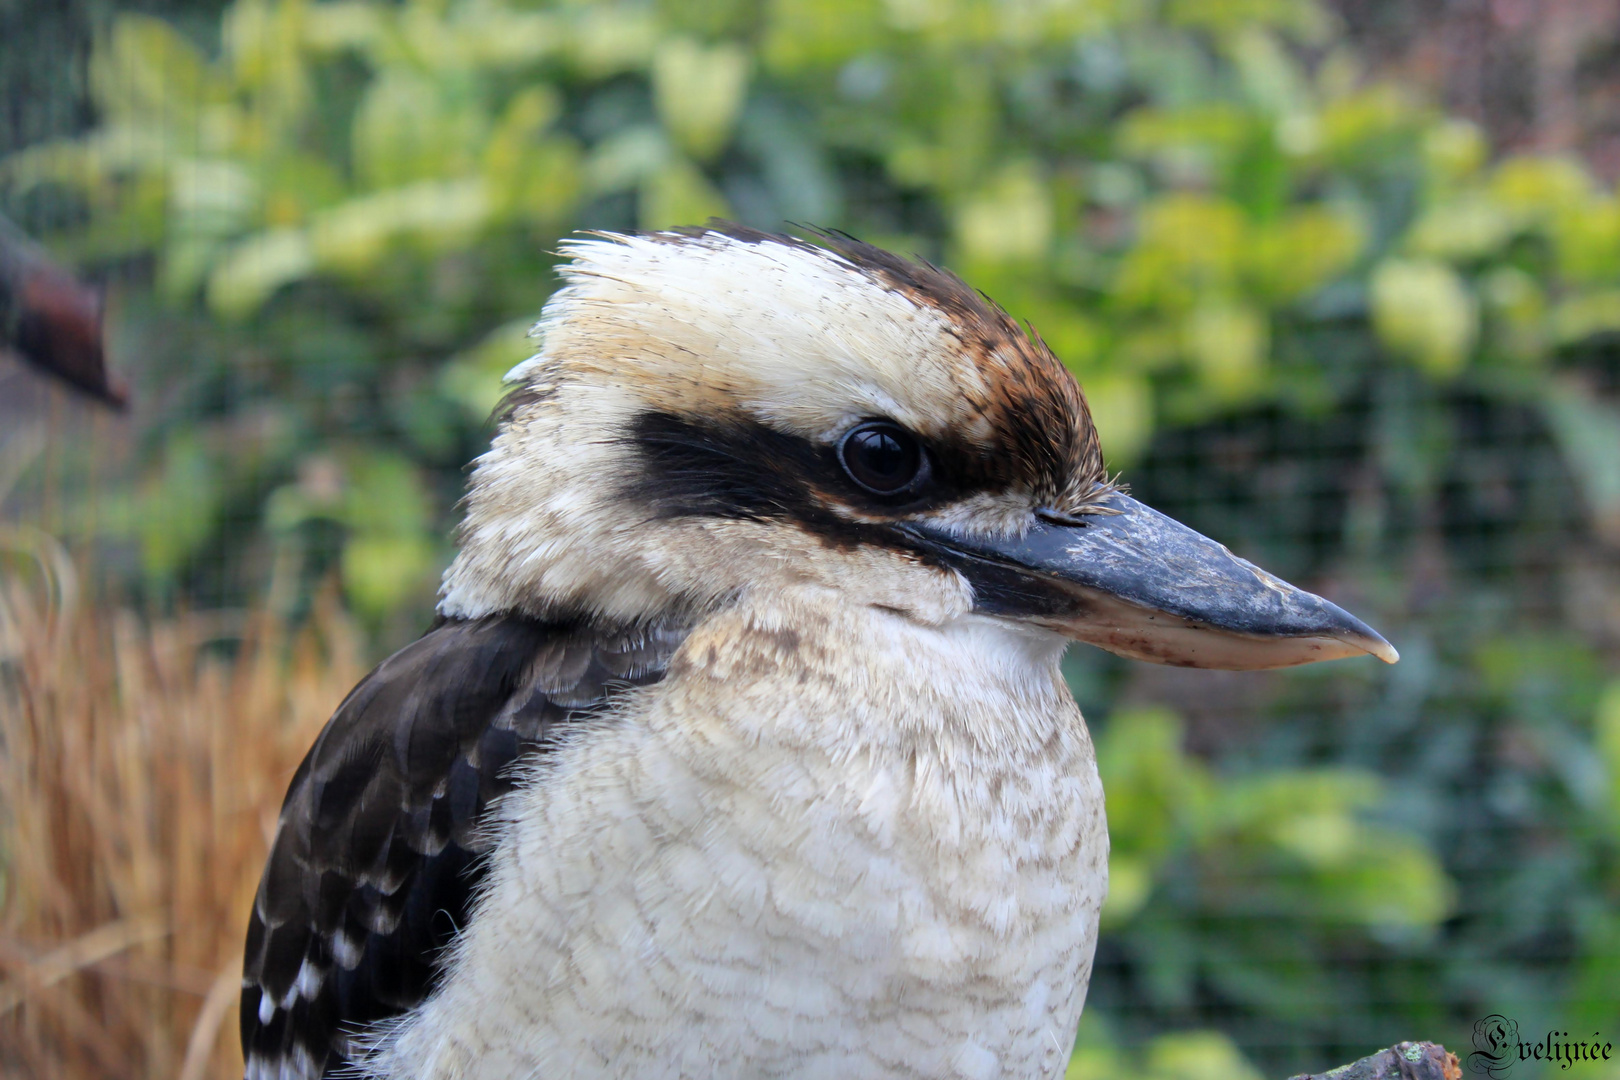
1143 585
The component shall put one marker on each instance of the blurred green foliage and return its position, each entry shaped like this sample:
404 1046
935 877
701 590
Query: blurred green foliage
1259 848
1304 306
1182 1055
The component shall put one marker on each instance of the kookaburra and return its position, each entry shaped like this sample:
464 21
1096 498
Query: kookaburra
740 747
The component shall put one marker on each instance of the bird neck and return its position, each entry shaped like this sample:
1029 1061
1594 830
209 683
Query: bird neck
958 717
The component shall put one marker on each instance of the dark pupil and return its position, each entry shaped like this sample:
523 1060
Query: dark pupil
881 460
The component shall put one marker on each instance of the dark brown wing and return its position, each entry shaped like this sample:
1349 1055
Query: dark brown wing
377 852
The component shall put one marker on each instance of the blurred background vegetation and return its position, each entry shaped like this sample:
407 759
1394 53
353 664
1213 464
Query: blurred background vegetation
1341 281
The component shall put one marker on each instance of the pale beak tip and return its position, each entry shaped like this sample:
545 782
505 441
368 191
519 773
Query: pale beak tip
1380 648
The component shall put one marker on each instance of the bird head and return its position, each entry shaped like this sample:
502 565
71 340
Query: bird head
718 411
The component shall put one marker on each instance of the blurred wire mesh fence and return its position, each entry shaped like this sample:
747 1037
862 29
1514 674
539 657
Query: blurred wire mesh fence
1316 317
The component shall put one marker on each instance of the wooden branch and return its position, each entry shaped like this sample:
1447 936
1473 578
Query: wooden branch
1403 1061
52 320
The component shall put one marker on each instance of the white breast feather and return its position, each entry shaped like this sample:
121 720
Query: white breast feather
833 843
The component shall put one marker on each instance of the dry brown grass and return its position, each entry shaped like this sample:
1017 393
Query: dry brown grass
141 767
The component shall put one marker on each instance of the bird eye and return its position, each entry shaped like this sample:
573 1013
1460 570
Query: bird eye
884 458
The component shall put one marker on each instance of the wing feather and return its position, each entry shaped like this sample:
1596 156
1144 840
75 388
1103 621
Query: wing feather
377 851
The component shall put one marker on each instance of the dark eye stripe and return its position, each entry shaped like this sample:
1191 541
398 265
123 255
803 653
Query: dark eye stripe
736 467
741 469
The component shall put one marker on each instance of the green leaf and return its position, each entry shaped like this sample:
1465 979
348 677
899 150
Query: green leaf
699 92
379 572
1471 226
1305 250
1376 121
1271 78
343 24
1217 127
212 196
1539 186
1423 311
408 128
176 510
1585 315
530 173
805 34
488 36
1588 432
679 194
475 378
383 494
609 38
1188 245
1607 725
1517 310
1122 408
626 160
355 235
1228 343
1009 220
255 268
1588 239
148 74
1300 16
1154 790
1454 150
1197 1055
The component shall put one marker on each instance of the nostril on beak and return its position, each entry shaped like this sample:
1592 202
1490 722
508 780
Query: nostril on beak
1058 517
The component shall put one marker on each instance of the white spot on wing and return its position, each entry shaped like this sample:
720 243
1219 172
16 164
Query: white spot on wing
309 980
346 951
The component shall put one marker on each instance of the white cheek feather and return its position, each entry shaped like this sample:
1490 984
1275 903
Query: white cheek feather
859 849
